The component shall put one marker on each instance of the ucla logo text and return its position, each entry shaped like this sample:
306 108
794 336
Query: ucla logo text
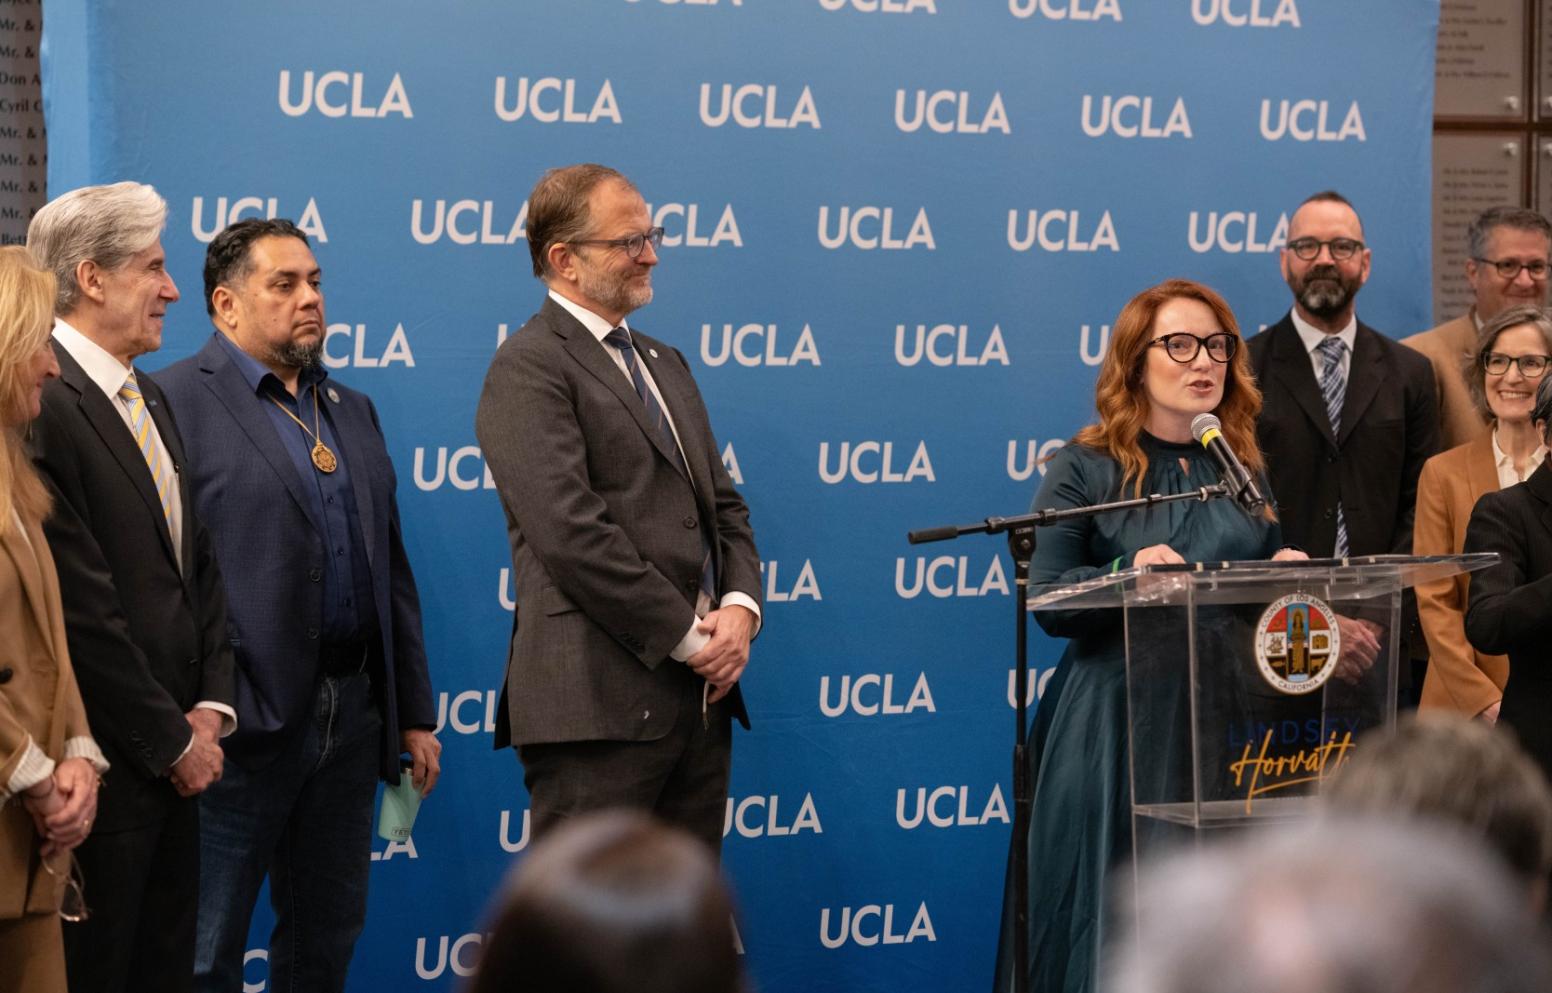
754 345
550 100
768 110
872 462
227 213
1060 231
324 91
879 697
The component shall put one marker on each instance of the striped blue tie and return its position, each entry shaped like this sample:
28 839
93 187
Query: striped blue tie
1333 386
620 338
140 424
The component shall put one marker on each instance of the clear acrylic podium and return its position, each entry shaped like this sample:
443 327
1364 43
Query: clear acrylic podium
1240 695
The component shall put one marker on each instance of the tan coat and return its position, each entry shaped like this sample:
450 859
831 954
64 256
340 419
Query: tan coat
39 702
1460 678
1446 347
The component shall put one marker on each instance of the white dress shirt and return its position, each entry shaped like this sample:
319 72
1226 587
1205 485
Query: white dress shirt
1313 336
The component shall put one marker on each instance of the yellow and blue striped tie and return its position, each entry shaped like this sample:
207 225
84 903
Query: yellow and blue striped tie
140 424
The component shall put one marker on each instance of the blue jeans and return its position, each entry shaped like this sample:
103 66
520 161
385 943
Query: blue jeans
306 819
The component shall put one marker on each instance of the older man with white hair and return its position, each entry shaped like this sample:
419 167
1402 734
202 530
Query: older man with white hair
145 616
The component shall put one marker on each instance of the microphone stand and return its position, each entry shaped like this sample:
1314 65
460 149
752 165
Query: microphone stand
1021 545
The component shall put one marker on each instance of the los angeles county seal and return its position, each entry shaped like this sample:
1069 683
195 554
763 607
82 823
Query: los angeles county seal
1297 643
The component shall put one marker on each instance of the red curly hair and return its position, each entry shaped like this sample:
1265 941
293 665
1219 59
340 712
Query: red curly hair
1122 401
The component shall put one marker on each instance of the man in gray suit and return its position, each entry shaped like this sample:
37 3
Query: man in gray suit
636 576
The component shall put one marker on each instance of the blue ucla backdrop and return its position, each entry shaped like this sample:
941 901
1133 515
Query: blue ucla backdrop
898 231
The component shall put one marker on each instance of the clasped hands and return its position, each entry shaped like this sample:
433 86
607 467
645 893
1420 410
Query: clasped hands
721 662
201 765
63 806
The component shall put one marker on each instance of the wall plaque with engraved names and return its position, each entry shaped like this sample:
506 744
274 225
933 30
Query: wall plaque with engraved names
1471 172
1544 61
1543 190
23 154
1480 65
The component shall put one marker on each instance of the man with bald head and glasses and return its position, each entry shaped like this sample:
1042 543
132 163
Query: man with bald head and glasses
1507 252
1349 416
636 577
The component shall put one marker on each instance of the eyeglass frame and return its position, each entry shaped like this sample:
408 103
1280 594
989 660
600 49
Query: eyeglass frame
1231 346
1329 245
73 884
1518 361
1498 267
653 235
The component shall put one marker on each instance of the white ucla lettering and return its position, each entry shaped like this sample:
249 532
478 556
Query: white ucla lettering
1061 10
405 847
883 6
849 227
730 463
463 956
256 955
734 103
930 343
1090 352
770 825
1293 120
851 926
1038 227
1035 455
930 577
532 99
804 586
849 461
1132 117
1031 689
448 219
450 469
949 112
506 593
1209 11
310 222
742 344
321 90
850 695
397 349
456 714
1233 231
689 235
929 806
504 833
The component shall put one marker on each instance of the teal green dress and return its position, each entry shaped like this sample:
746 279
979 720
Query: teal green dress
1081 823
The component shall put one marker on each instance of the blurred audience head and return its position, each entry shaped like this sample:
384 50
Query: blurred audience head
613 903
1463 773
1333 906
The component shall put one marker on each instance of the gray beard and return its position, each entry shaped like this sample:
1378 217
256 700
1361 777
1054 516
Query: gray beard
1325 296
298 356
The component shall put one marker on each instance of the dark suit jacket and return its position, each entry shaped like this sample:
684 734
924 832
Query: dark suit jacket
604 532
1390 427
1510 608
272 553
148 639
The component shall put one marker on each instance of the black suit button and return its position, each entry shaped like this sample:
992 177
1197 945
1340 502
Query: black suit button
1328 514
193 662
315 574
1331 459
312 634
689 522
6 674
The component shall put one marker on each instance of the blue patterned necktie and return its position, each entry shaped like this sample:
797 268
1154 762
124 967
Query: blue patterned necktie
140 424
1333 387
620 338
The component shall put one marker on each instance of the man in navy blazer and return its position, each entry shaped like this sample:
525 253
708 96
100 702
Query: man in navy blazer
291 474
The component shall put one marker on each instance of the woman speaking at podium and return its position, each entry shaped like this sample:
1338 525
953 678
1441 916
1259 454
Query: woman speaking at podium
1174 353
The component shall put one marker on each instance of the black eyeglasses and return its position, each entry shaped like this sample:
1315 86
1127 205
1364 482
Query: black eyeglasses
1510 268
634 245
1183 346
1342 249
1531 366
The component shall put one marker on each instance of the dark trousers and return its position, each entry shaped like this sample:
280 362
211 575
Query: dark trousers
682 777
142 890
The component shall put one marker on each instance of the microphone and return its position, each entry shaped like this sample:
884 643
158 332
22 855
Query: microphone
1207 429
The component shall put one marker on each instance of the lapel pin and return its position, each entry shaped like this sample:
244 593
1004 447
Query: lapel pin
652 352
333 395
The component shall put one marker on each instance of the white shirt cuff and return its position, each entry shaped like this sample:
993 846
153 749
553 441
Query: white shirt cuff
228 716
735 598
693 641
33 769
86 748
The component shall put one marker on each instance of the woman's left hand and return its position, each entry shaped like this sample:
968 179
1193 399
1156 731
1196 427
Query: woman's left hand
68 826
